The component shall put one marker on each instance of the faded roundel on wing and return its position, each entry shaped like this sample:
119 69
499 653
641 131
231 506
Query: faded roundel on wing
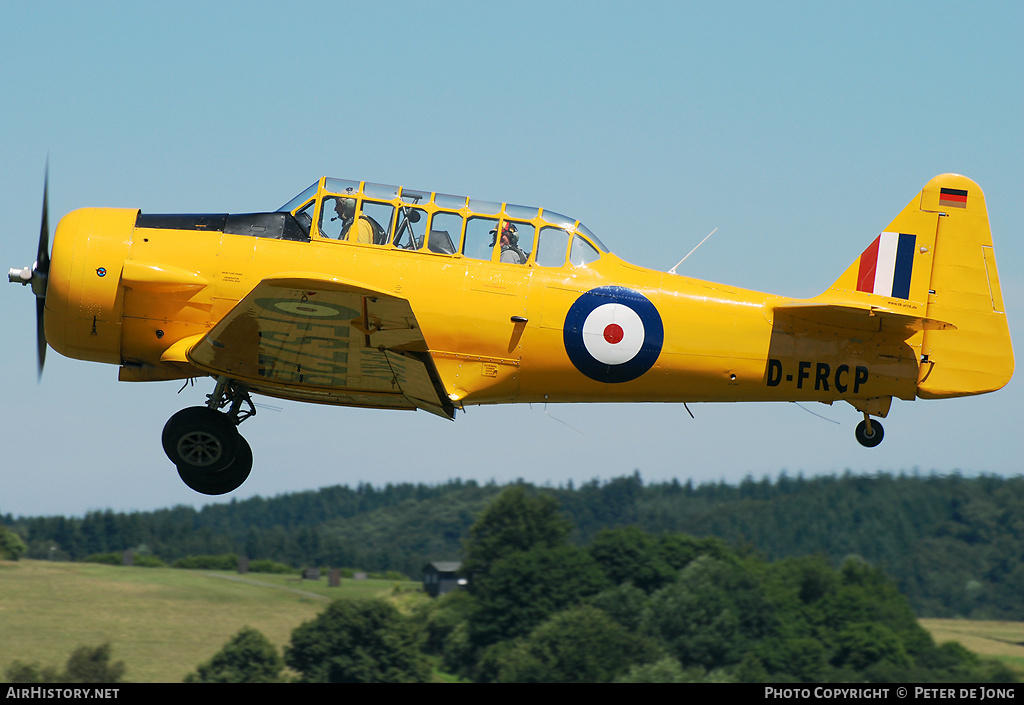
305 308
613 334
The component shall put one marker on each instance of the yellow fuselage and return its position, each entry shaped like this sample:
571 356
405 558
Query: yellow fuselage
135 296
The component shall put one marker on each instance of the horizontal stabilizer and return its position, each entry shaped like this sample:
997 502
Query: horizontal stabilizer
868 319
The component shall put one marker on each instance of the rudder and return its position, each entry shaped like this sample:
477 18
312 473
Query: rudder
977 357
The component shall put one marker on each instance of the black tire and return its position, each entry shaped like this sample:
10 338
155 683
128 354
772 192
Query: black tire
869 440
201 439
222 481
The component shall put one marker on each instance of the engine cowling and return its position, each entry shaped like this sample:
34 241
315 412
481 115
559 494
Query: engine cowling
84 299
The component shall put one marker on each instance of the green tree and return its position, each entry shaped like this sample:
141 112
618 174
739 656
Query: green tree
802 658
630 554
515 521
624 603
358 641
712 615
19 672
679 550
92 665
866 595
248 657
87 664
863 645
667 670
579 645
439 618
11 545
525 588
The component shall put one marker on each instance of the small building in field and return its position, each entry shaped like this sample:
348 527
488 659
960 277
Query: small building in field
440 577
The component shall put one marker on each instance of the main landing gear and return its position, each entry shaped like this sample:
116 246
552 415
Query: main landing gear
869 433
204 443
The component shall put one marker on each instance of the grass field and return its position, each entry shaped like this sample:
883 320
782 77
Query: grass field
1000 640
161 622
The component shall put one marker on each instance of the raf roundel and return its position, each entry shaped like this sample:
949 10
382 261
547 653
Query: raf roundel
613 334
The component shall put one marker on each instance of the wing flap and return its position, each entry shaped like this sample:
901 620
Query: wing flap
317 338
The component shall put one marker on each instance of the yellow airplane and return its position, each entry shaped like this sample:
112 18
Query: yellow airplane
363 294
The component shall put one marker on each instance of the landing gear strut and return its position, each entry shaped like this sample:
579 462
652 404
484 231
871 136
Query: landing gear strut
869 433
204 443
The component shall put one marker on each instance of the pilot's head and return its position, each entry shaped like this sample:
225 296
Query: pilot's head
508 234
345 207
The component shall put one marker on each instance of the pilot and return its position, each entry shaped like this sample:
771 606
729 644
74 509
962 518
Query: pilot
510 250
346 210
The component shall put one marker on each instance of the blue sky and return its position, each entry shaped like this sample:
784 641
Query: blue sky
798 130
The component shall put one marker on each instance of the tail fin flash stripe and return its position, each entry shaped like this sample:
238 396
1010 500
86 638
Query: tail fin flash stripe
868 262
887 264
953 197
904 266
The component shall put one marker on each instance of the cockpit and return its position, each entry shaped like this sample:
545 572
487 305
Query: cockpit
423 221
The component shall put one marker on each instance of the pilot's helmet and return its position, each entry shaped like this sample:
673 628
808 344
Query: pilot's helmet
346 207
509 230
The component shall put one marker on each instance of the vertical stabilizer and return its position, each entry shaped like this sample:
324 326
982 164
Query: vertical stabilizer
935 261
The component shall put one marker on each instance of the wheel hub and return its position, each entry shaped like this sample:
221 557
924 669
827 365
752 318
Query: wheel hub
200 448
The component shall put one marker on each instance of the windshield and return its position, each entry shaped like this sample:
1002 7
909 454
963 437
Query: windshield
593 238
300 199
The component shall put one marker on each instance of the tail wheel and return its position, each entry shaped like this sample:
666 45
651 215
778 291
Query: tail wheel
221 481
202 440
869 439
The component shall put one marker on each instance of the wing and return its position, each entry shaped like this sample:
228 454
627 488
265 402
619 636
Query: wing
310 337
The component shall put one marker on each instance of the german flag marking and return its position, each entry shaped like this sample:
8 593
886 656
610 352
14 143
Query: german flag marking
953 197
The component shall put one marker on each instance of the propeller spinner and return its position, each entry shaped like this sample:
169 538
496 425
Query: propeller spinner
36 275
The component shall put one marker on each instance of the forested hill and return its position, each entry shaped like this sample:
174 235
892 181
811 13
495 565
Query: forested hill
954 545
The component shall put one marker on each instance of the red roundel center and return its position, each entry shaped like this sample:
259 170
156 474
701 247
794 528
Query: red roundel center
613 333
